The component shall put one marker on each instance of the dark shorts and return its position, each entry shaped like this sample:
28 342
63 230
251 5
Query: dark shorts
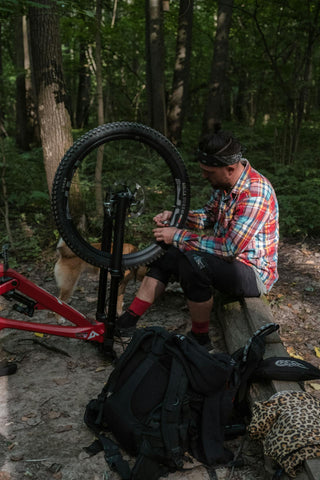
199 272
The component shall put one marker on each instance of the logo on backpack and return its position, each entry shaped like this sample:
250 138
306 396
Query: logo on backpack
290 363
180 337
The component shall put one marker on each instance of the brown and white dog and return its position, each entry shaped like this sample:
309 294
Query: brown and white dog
69 268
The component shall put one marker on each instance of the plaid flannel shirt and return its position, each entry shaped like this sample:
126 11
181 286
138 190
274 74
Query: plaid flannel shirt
244 225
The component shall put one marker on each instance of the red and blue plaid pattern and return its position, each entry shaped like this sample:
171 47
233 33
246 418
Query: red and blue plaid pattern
244 224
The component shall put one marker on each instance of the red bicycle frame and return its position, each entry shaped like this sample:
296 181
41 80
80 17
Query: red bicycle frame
36 298
14 286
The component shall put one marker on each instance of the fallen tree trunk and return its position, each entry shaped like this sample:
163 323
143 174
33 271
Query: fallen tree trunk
239 319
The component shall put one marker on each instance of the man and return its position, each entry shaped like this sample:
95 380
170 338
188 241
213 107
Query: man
237 253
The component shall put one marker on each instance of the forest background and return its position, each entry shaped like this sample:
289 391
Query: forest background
182 67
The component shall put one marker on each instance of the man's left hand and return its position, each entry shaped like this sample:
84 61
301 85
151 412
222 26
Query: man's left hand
165 234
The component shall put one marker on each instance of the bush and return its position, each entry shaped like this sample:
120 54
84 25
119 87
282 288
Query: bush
24 193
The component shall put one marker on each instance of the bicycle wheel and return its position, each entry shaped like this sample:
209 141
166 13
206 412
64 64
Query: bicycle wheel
120 153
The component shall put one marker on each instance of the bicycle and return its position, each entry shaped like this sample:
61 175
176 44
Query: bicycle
82 186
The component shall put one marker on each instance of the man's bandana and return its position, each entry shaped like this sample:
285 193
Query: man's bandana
215 160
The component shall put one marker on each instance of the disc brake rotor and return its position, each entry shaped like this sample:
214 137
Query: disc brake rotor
138 203
135 192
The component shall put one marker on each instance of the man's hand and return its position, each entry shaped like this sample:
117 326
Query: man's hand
165 234
163 218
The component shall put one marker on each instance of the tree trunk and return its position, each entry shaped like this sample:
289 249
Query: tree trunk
306 76
177 103
214 108
31 96
155 65
98 171
83 97
5 209
2 128
21 104
54 119
241 100
4 204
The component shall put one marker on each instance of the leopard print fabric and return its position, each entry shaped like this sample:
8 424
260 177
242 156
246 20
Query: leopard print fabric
289 426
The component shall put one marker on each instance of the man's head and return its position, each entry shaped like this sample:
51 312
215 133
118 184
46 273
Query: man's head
220 156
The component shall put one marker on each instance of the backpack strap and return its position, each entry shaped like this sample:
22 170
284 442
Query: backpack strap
171 427
147 468
112 456
249 357
93 414
262 332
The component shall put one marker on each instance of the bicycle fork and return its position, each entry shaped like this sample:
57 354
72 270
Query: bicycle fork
122 201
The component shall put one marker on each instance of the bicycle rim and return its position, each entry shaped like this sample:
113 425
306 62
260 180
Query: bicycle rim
121 153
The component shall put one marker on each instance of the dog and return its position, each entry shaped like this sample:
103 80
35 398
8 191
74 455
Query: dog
69 268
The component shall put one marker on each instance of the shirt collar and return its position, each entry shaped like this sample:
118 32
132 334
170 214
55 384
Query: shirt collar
239 185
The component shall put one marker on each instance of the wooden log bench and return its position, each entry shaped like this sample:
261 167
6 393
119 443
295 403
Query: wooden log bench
239 319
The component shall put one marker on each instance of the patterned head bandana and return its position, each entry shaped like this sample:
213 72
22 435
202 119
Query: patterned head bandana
217 159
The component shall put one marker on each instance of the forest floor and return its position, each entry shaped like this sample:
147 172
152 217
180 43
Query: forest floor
42 433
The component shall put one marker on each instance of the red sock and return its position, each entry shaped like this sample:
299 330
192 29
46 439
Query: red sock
138 307
198 327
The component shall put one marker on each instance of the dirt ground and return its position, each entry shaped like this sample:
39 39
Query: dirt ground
42 433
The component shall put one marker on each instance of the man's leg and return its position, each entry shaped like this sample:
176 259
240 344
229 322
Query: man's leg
200 313
152 286
198 291
200 272
150 289
231 278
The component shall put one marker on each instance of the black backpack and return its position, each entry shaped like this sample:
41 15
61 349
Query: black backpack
167 396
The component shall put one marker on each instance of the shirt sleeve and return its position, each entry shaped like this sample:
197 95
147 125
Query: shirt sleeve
250 214
199 219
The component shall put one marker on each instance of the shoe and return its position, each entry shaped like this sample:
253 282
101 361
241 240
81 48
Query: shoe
202 338
126 324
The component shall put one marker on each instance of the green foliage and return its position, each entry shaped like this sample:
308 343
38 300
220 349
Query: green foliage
266 81
296 185
18 6
298 197
297 188
27 199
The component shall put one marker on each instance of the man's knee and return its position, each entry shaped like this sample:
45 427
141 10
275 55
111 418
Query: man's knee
195 284
165 266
